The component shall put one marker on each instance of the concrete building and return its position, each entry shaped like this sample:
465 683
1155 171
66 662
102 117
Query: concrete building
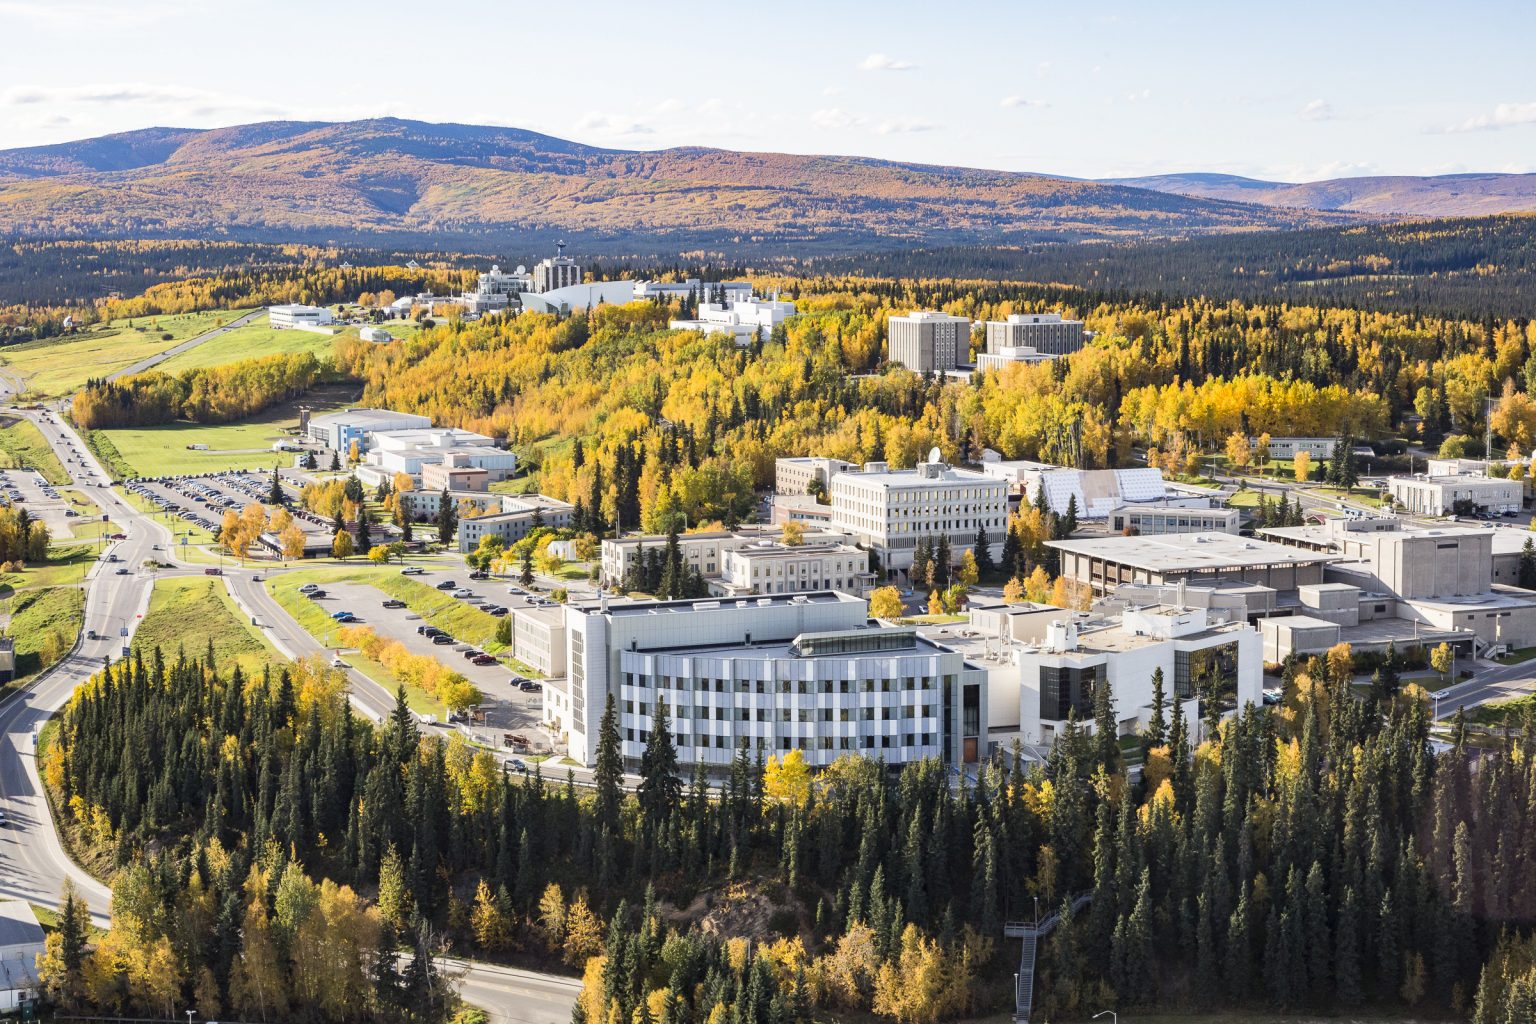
409 451
21 942
519 514
296 316
450 475
1318 448
802 672
496 290
421 504
338 430
892 510
1105 563
800 508
928 342
1202 654
557 271
1030 337
376 335
702 552
771 567
578 298
1441 495
794 475
700 291
1173 517
745 320
538 639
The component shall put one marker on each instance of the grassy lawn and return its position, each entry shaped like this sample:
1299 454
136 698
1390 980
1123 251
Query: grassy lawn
192 612
1244 499
252 341
57 367
38 613
161 451
22 446
435 607
1518 656
66 566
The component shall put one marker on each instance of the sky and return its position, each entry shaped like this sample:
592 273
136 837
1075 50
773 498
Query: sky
1294 92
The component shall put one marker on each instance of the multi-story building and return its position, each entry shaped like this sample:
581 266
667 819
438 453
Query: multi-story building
519 514
928 342
338 430
538 639
1165 517
421 504
408 451
771 567
702 552
745 320
802 672
1030 337
558 271
1105 563
1203 656
891 511
451 476
296 316
702 291
1441 495
496 290
794 475
1317 448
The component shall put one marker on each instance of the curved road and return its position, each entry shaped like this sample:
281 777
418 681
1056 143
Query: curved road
33 863
190 343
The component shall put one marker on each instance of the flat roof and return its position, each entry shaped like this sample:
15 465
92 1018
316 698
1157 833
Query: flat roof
363 416
1173 552
775 649
18 925
908 477
630 608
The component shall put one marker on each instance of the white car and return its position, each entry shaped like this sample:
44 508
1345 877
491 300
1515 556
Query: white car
338 663
463 593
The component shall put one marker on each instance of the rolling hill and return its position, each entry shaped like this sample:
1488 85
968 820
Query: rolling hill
402 180
1448 195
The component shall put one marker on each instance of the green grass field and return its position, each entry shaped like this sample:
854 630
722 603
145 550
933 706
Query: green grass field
159 451
66 566
22 446
35 615
256 339
190 613
57 367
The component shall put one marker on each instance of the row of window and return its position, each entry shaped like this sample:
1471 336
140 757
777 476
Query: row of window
903 685
795 742
701 712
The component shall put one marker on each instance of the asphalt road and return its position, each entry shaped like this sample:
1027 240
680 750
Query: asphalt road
33 864
190 343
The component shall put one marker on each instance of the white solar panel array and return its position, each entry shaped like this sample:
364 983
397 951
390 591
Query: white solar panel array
1110 488
1141 484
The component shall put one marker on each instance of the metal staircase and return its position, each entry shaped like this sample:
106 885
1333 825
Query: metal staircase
1030 934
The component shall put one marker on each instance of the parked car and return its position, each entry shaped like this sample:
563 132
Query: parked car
442 639
479 574
470 654
447 585
345 617
530 686
483 659
309 588
394 602
340 615
428 630
315 595
464 593
413 570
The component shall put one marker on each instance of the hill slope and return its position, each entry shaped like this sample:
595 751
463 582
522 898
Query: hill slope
404 179
1448 195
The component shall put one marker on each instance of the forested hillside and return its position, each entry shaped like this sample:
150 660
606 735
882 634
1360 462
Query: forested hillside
273 848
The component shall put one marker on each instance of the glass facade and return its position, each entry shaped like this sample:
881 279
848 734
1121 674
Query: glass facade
1063 690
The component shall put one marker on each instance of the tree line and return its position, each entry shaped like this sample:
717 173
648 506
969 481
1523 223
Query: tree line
217 394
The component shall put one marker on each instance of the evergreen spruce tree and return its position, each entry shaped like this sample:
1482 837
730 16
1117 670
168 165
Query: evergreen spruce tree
661 790
525 572
608 774
1157 727
275 495
364 530
982 548
447 518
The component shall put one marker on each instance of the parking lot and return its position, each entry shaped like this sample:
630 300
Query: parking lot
201 501
43 501
507 706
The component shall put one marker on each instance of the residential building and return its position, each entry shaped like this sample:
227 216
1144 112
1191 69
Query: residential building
21 943
1173 517
893 510
519 514
928 342
289 317
1030 337
423 505
745 320
338 430
803 672
1105 563
1442 495
794 475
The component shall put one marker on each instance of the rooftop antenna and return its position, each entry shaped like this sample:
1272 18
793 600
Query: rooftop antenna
560 248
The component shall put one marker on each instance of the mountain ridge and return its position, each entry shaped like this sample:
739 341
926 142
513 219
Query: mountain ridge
391 177
1466 194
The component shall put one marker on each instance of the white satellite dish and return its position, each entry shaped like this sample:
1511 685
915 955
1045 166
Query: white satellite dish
522 269
934 456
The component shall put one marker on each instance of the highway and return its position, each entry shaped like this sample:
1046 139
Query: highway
33 863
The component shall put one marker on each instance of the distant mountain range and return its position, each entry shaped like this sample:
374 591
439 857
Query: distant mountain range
287 180
1382 196
390 179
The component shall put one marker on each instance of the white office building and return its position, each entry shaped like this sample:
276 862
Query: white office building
1440 495
1172 517
1203 656
1030 338
338 430
298 317
794 475
744 320
772 567
703 552
928 342
558 271
703 291
408 451
21 943
802 672
497 290
891 511
519 514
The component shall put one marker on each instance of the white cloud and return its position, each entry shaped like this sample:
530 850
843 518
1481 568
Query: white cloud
1505 115
1022 101
832 90
1043 69
882 62
1137 97
904 127
835 119
613 124
1317 110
